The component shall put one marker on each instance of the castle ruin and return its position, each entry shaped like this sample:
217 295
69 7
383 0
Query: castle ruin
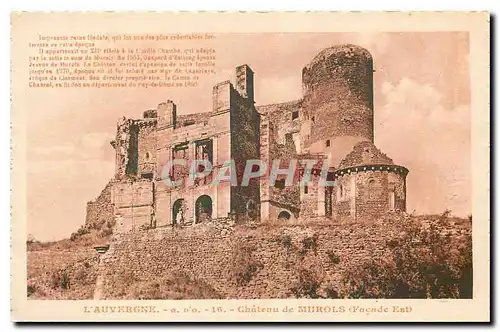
333 123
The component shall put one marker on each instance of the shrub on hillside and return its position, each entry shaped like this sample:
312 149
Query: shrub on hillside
177 285
244 263
71 281
427 259
308 284
309 243
285 240
311 280
333 258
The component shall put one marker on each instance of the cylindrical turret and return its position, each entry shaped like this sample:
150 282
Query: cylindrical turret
338 100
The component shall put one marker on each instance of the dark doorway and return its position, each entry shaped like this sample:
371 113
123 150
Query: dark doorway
251 210
178 212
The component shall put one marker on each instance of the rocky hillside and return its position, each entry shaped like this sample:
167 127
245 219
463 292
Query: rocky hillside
397 256
67 269
62 274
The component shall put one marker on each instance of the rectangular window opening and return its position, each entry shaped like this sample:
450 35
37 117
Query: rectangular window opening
392 201
147 176
280 184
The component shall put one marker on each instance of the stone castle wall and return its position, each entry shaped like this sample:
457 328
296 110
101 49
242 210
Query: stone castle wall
217 255
332 122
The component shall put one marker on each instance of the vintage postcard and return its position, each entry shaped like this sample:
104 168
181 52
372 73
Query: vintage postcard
238 167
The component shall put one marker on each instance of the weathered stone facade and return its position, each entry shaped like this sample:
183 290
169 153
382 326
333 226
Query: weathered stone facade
332 124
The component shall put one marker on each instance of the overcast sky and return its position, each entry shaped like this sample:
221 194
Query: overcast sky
422 118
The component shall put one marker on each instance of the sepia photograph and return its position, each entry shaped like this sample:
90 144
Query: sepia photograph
317 166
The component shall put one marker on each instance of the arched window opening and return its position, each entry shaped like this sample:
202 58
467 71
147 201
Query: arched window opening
284 215
203 209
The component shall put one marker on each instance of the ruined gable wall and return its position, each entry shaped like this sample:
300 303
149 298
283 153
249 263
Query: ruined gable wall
132 151
282 117
125 145
245 145
100 210
146 146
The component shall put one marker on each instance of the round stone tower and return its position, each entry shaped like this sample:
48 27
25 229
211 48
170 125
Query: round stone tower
338 101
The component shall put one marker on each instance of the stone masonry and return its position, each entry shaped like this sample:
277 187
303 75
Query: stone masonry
196 228
332 124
